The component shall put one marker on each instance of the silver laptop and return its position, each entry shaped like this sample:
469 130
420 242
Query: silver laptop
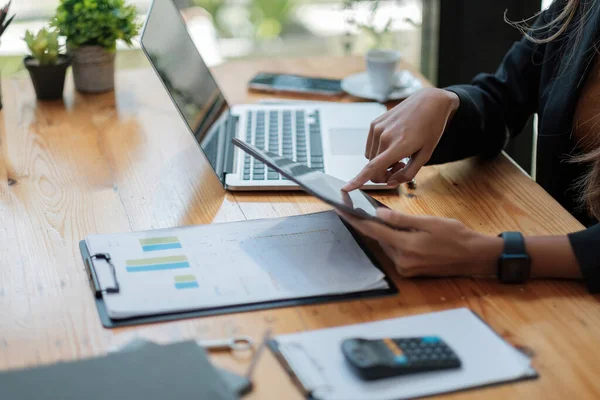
328 137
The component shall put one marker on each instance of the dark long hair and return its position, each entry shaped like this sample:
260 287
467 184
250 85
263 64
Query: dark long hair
568 25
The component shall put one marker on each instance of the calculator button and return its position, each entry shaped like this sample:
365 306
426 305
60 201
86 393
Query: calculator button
430 339
400 360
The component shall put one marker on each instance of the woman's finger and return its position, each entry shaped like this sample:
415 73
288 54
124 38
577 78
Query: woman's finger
381 232
389 250
378 165
414 165
395 168
406 221
369 143
375 142
369 140
363 177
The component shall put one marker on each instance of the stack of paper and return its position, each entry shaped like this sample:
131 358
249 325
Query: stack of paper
315 358
207 266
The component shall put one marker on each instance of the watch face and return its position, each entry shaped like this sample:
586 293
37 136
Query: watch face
514 268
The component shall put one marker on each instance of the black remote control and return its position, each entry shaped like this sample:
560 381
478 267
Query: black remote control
383 358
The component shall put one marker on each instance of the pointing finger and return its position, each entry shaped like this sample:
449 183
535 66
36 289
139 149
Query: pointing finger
379 164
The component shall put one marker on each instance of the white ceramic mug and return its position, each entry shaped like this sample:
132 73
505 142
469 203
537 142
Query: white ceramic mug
381 67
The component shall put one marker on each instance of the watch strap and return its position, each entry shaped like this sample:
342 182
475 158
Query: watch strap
514 265
514 243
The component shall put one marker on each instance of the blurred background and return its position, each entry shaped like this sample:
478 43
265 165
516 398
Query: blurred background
237 29
449 41
423 30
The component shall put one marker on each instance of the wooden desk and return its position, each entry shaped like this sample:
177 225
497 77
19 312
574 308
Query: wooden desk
125 161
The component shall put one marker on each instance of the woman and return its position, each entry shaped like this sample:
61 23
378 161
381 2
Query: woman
553 71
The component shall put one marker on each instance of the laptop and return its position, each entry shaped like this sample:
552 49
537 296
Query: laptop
326 136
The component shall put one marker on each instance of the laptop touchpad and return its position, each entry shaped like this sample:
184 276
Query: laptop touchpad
347 141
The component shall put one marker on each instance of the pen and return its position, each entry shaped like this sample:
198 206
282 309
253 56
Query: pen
257 355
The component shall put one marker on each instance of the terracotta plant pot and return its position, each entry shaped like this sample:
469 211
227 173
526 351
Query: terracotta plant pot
48 80
93 69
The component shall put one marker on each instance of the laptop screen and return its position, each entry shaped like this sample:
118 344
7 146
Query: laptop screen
178 63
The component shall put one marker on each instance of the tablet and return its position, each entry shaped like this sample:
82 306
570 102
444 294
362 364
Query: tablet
324 187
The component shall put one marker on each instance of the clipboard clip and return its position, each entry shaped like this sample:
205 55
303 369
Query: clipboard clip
94 278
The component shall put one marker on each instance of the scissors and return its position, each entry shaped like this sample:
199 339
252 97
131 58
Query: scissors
235 343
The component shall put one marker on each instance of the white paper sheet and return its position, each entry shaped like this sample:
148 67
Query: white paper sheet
232 263
317 359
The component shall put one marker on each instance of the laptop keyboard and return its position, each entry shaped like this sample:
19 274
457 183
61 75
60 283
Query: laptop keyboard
211 148
283 132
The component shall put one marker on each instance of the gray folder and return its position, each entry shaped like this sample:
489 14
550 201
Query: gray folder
179 371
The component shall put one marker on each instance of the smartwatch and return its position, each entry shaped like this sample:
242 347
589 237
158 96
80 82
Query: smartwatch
514 265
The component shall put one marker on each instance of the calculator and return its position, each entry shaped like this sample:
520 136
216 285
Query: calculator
373 359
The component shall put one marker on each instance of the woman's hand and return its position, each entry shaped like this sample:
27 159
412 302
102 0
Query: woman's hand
411 129
433 246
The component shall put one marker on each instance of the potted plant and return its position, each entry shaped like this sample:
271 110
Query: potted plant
92 29
46 66
4 23
270 16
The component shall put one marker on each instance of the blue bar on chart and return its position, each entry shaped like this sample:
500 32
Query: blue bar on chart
161 243
186 282
157 264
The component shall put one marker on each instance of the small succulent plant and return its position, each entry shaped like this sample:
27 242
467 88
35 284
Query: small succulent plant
4 23
44 46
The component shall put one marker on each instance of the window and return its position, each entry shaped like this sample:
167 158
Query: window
234 29
43 9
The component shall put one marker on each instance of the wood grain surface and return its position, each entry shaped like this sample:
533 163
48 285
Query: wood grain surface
124 161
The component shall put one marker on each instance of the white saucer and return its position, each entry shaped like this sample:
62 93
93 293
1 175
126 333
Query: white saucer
358 85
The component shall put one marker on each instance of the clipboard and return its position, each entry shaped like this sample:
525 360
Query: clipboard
368 246
308 389
307 392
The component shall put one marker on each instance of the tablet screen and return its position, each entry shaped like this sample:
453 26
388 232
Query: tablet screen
317 183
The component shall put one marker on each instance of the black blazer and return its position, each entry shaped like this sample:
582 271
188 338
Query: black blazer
494 107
